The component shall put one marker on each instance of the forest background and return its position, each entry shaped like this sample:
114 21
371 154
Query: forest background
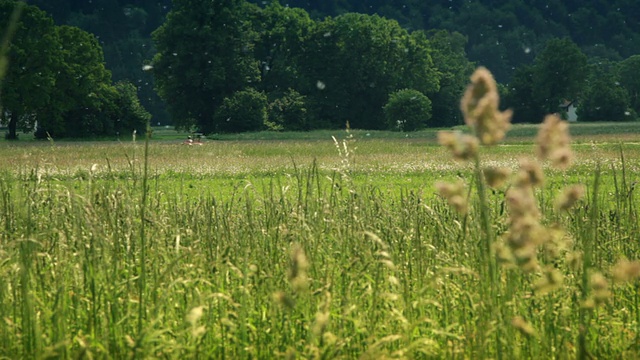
375 64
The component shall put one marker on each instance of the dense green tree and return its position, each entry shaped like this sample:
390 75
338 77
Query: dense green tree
560 71
557 75
502 35
603 99
408 110
205 54
629 71
81 77
283 36
448 53
520 98
355 61
245 110
33 57
130 115
124 28
97 118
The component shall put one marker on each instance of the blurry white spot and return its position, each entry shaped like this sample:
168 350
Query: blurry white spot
327 34
320 85
527 50
627 113
175 54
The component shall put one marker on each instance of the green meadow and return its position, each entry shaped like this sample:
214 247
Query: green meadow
323 245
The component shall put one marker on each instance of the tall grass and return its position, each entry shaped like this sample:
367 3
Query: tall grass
314 260
395 274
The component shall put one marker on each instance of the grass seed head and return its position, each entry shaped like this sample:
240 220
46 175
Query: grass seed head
523 326
551 280
530 174
522 204
526 258
194 315
480 108
298 268
462 146
504 255
625 270
599 288
454 193
557 242
283 300
496 176
569 197
553 142
574 260
320 324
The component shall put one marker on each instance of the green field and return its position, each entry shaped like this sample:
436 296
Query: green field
293 245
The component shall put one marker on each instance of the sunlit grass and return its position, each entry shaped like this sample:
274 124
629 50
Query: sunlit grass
392 271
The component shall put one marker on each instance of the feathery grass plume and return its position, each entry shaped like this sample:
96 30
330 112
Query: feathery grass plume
463 147
551 280
599 290
298 268
569 197
523 326
525 232
574 260
553 142
496 176
284 300
321 321
193 317
480 108
557 242
522 203
625 270
530 174
504 255
455 194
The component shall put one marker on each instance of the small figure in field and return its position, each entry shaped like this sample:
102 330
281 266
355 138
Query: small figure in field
191 142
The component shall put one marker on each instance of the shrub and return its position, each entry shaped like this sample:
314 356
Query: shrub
289 112
245 110
408 110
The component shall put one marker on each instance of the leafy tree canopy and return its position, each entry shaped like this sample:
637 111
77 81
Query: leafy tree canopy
557 75
205 54
30 76
57 82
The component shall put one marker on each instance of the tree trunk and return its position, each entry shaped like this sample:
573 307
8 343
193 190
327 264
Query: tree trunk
13 125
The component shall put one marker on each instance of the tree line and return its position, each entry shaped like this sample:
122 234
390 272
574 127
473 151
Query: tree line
232 65
214 59
56 83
